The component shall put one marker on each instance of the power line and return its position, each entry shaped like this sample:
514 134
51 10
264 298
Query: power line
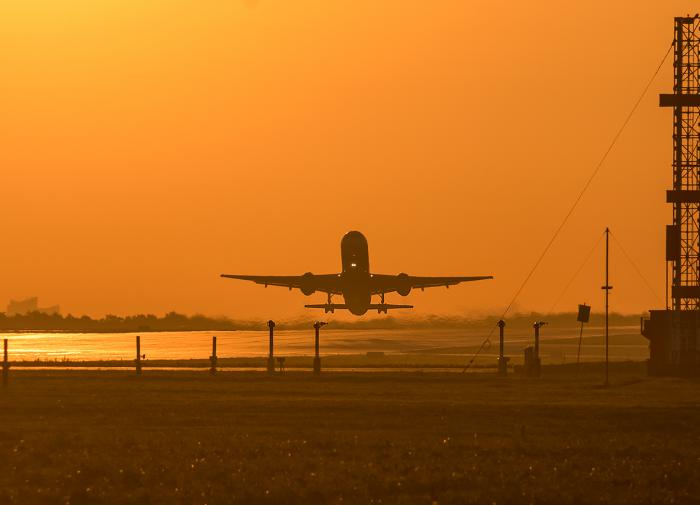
578 271
639 272
576 201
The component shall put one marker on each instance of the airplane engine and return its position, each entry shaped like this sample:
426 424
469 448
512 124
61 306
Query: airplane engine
307 284
404 286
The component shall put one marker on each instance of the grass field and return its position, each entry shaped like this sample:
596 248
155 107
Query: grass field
84 437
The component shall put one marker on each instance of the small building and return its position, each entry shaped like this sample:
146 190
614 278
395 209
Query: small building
674 342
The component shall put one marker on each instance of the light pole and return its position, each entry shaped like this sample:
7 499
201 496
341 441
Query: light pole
317 356
607 289
271 357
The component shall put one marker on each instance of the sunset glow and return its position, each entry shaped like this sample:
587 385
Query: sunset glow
147 147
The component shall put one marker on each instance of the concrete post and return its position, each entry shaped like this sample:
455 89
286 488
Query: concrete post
271 357
138 355
213 358
317 356
502 360
5 366
536 359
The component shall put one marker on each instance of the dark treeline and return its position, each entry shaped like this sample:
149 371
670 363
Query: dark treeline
516 320
173 321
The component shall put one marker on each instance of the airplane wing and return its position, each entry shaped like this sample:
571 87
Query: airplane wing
403 283
307 283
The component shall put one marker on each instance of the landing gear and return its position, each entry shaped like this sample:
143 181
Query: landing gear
382 306
329 305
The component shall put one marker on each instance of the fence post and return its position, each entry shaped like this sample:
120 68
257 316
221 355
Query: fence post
271 357
213 358
536 362
317 356
138 355
5 366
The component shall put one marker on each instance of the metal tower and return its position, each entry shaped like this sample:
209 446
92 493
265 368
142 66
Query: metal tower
674 333
683 236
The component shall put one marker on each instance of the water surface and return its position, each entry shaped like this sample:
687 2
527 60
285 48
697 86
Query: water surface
557 345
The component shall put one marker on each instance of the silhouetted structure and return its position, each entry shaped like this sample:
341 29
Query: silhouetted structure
607 287
502 360
532 354
138 355
5 365
584 315
317 355
213 359
674 333
21 307
271 356
355 283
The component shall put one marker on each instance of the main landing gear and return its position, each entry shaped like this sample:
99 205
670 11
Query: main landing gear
382 306
329 305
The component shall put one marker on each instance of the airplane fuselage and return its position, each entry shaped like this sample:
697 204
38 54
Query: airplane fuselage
355 275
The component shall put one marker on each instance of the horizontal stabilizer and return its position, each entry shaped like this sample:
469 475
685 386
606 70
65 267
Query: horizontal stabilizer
384 307
379 307
327 307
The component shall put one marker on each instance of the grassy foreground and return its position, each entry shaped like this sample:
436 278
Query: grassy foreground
84 437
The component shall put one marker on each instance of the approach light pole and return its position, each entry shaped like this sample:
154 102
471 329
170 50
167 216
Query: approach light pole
537 362
271 356
317 356
502 360
607 289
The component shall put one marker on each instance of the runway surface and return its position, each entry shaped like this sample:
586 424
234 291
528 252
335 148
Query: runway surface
557 344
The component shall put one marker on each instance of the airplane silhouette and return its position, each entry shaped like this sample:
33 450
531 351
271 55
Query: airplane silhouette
355 283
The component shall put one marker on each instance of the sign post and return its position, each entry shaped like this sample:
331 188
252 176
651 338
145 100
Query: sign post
584 314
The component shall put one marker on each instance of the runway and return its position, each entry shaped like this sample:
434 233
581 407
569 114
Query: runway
436 347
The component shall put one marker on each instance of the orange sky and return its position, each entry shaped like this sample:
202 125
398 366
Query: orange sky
146 147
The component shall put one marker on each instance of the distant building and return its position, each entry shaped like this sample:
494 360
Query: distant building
19 307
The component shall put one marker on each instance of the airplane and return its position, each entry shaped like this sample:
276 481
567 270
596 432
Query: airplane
355 283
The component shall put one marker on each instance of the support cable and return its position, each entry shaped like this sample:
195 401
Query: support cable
578 271
636 269
575 204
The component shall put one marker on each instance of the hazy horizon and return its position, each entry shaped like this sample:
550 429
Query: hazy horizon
343 318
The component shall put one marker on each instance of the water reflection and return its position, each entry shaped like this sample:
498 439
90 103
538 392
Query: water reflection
626 344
